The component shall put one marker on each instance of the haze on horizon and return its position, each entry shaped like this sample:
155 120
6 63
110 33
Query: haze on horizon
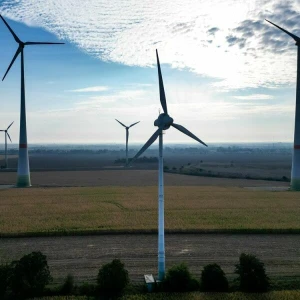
229 76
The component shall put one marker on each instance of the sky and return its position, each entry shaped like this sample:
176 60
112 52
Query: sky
229 76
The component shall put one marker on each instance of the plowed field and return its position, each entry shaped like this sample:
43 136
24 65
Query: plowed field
83 256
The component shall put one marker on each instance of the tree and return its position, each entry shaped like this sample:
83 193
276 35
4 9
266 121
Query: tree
179 279
68 287
30 275
213 279
252 274
5 279
112 278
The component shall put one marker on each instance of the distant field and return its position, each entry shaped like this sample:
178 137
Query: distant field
95 209
127 177
278 295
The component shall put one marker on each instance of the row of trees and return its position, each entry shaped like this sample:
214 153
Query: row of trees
251 278
143 159
29 276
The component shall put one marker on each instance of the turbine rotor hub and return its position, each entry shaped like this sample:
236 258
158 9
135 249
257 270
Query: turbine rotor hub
164 121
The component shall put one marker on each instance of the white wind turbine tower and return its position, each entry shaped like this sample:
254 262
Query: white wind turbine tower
6 135
163 122
23 161
295 174
127 136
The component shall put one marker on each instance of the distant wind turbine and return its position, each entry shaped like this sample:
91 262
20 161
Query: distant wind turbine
6 135
163 122
127 136
295 174
23 161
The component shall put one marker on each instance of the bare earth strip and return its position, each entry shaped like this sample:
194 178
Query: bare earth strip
129 178
83 256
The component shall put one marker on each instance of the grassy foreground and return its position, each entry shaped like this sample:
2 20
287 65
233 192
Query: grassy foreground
74 210
278 295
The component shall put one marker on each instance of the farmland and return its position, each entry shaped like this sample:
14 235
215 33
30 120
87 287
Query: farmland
278 295
77 197
282 295
82 256
66 210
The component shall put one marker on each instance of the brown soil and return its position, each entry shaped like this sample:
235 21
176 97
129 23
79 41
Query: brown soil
129 178
82 256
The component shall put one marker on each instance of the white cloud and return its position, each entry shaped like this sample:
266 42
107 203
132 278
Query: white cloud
90 89
120 97
211 120
200 105
129 31
254 97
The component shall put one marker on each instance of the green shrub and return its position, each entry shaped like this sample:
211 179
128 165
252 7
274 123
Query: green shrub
30 275
213 279
68 286
87 289
5 279
179 279
112 278
252 276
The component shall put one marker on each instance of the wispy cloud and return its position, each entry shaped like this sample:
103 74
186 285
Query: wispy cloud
208 108
120 97
224 39
93 116
255 97
90 89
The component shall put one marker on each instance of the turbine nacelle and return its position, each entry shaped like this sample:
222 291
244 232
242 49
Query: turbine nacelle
21 45
127 136
164 121
6 131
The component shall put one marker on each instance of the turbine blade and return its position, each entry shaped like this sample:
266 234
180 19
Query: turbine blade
42 43
161 87
10 125
11 31
185 131
13 60
120 123
127 136
296 38
147 145
8 136
134 124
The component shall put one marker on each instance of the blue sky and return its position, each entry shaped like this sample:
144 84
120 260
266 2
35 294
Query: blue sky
229 76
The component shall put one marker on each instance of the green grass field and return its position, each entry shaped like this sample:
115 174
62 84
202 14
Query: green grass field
94 209
280 295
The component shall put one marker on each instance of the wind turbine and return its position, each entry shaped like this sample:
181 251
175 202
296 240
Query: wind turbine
6 135
127 136
295 174
163 122
23 161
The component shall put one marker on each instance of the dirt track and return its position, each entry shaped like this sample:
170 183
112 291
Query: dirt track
82 256
130 178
